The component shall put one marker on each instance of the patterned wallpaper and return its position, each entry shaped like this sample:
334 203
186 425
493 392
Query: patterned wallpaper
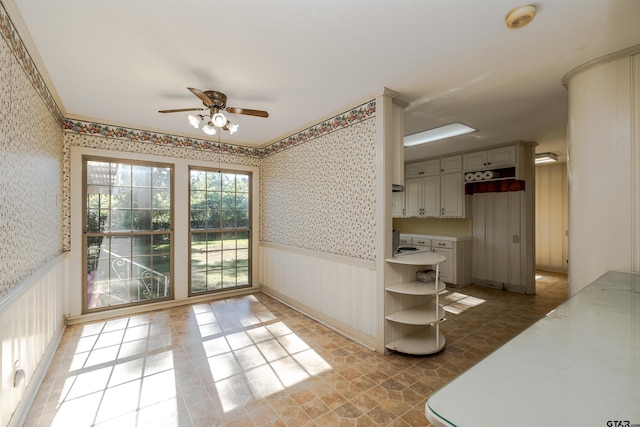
320 195
31 165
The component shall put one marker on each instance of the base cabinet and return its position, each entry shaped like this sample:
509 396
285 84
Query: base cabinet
412 308
456 270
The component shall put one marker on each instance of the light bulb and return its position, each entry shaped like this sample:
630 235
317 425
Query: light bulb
219 120
209 129
232 127
194 121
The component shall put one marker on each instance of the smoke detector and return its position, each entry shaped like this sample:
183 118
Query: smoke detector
520 16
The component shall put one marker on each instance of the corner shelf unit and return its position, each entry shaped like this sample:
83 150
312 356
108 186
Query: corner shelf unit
412 308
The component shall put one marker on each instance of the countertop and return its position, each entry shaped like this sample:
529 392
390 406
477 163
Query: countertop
439 237
578 366
418 258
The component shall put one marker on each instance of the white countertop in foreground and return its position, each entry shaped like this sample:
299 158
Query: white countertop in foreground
579 366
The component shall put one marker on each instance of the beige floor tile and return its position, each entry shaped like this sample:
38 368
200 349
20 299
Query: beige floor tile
251 361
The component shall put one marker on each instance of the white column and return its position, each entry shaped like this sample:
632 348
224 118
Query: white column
603 168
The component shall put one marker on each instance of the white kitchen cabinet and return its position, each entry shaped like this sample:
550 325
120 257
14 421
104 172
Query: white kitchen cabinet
447 273
456 270
422 198
451 195
490 159
421 169
398 209
435 196
451 164
412 308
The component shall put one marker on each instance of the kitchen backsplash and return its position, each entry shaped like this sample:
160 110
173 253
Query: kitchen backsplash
456 227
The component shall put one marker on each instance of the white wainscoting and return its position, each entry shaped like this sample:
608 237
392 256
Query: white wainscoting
337 291
32 323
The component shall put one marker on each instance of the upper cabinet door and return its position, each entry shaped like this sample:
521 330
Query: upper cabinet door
413 197
490 159
499 157
420 169
452 195
431 196
474 161
451 164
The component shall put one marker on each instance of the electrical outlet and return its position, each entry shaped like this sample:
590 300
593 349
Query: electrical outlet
516 238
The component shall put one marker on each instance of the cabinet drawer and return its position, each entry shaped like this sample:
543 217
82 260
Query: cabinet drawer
442 244
419 241
405 240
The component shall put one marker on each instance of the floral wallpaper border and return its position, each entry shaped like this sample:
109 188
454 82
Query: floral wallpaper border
136 135
9 33
341 121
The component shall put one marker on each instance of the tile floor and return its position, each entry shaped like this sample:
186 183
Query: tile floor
251 361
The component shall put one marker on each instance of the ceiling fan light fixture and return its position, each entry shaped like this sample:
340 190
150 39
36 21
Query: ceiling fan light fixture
194 121
209 129
232 127
219 120
214 102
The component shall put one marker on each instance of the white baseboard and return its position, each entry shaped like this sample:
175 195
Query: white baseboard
366 340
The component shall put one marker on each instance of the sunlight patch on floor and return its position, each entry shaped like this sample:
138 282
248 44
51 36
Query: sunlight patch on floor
260 358
457 302
113 379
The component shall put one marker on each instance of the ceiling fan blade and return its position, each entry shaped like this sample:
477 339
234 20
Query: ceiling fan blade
200 94
248 112
181 109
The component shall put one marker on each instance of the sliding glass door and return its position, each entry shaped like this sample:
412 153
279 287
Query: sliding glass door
127 233
220 230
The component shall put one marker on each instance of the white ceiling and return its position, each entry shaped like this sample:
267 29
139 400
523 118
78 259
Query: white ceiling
120 61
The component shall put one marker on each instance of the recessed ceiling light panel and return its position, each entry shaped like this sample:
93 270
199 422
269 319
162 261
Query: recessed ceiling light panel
435 134
548 157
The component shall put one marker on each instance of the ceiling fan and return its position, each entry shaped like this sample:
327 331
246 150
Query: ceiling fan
215 103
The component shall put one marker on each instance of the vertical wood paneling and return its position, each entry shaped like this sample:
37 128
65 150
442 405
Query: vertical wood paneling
499 239
515 227
343 295
555 215
479 235
551 216
501 247
31 324
490 236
